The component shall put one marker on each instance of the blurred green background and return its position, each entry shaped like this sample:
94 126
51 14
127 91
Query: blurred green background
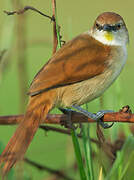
74 17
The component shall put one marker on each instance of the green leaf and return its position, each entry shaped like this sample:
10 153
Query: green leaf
87 150
78 155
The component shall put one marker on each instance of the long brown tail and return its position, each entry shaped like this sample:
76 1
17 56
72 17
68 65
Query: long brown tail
24 134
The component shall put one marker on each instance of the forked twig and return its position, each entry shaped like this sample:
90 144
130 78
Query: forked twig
26 8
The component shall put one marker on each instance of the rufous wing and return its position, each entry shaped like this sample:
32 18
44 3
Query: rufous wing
80 59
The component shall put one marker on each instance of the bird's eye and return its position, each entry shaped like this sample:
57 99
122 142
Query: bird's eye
118 26
97 25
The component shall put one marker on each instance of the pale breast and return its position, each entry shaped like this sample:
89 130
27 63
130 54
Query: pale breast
85 91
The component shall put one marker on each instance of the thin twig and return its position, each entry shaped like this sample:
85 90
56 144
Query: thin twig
63 131
55 129
45 168
26 8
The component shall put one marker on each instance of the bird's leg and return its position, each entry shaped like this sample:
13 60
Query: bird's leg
97 117
66 111
68 123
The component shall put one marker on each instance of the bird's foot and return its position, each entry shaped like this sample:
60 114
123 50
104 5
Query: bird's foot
97 117
68 123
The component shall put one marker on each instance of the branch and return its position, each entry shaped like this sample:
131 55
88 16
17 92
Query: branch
124 116
64 131
26 8
53 18
45 168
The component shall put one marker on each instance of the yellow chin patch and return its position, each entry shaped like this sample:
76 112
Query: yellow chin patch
109 36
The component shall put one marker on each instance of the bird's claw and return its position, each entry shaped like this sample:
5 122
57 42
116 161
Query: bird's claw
99 116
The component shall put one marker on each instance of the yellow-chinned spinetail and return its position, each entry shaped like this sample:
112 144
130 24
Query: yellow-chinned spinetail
80 71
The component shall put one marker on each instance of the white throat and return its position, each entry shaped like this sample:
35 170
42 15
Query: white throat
116 39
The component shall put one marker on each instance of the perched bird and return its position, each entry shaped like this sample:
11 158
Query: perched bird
80 71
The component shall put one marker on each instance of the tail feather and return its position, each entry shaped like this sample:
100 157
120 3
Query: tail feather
24 134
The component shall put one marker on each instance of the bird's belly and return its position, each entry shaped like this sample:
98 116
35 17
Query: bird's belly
87 90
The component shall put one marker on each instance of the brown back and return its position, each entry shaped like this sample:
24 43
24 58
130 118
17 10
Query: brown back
80 59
